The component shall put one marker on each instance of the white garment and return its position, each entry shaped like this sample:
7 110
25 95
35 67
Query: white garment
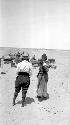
24 66
44 64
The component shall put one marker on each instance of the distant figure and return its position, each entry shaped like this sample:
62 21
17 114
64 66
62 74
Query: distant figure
24 71
42 78
34 57
2 63
18 54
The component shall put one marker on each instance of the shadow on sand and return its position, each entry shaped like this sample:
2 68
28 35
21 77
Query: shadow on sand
28 100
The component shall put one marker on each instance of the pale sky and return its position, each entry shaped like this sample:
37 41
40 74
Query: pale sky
35 24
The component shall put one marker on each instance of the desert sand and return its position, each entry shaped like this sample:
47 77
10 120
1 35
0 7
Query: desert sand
53 111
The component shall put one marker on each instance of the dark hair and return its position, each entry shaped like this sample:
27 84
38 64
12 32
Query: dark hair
44 57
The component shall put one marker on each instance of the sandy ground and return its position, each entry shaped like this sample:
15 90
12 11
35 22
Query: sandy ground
53 111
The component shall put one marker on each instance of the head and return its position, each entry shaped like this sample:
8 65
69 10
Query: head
44 57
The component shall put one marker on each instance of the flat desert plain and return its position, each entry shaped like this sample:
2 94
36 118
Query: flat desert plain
53 111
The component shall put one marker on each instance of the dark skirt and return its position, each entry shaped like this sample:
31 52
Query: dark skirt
42 85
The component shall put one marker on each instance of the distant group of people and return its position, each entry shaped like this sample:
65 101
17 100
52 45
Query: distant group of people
24 72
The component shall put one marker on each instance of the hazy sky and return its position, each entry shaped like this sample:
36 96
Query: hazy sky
35 23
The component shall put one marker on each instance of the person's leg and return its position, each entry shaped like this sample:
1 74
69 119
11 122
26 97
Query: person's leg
14 98
25 87
17 90
23 96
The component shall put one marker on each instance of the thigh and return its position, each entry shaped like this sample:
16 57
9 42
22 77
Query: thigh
18 81
18 84
26 84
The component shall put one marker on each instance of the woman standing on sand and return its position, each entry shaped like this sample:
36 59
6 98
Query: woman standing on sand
42 78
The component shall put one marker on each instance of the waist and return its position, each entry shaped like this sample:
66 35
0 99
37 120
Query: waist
23 73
